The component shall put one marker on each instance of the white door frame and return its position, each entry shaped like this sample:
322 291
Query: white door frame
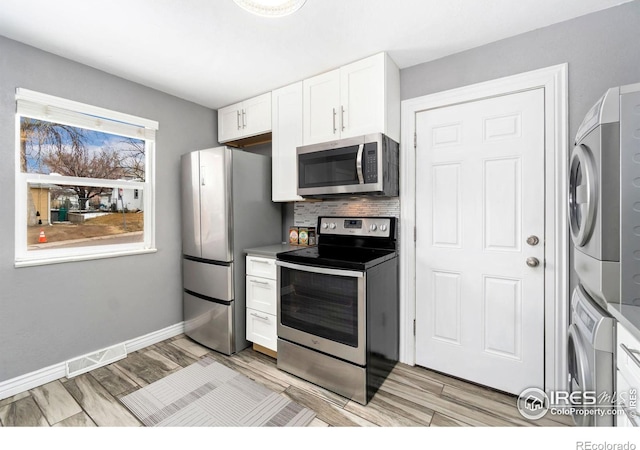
554 81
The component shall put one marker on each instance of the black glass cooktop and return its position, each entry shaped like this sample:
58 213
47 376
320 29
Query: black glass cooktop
339 257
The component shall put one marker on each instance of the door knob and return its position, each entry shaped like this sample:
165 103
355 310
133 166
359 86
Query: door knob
533 240
533 262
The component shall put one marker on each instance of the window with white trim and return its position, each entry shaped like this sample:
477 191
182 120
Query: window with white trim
84 181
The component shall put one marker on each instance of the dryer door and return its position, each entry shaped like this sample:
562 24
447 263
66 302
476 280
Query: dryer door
582 194
580 379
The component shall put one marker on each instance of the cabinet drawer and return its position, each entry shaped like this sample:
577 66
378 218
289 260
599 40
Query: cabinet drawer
261 329
261 267
261 294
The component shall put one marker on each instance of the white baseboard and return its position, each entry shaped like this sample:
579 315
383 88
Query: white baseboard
45 375
154 337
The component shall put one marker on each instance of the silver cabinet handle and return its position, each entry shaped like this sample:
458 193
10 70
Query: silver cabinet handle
244 118
260 261
238 119
632 354
258 282
334 121
259 316
533 262
342 116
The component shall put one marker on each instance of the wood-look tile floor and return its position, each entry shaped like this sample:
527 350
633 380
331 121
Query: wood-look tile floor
409 397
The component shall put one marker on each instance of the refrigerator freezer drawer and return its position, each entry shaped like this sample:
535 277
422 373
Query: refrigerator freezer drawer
210 280
209 323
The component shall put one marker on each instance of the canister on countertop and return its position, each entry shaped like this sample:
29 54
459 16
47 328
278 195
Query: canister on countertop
303 236
312 236
293 235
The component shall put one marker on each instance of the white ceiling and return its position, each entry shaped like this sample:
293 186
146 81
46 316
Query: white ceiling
214 53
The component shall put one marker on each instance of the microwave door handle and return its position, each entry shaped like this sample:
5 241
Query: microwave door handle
359 164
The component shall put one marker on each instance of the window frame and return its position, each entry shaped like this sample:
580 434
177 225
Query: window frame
58 110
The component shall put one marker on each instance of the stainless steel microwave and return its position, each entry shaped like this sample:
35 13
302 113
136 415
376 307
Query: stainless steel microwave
363 165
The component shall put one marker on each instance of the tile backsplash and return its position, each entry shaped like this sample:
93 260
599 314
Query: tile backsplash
306 213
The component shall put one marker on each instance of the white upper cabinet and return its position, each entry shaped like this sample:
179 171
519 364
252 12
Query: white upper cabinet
356 99
229 125
321 103
286 115
249 118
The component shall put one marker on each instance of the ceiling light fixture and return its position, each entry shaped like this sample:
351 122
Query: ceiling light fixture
271 8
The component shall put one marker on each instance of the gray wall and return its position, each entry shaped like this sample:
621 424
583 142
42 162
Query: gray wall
52 313
602 51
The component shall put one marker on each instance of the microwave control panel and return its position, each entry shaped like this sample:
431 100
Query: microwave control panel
370 163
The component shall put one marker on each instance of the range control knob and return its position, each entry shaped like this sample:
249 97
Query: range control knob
325 226
383 228
332 226
373 227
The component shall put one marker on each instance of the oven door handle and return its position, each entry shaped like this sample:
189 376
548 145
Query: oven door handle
359 164
321 270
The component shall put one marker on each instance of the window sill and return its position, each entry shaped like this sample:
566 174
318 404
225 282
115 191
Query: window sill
75 258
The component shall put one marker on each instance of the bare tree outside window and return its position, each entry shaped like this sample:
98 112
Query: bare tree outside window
56 149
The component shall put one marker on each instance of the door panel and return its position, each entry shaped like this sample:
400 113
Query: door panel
503 317
502 180
256 115
446 205
479 195
215 204
190 203
362 96
229 122
446 317
321 104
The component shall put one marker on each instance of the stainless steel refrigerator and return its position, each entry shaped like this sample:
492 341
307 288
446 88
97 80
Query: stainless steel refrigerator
226 207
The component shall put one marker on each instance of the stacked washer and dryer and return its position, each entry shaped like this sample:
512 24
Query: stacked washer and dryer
594 219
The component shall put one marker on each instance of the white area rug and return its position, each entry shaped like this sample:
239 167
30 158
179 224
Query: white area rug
209 394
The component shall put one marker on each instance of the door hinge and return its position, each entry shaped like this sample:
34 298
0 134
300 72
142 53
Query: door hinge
415 140
415 234
414 327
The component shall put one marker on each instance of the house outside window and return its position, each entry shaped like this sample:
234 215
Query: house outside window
84 181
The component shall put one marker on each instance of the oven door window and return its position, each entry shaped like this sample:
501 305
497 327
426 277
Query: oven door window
328 167
321 305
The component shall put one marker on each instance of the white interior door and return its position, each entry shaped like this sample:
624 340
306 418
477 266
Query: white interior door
479 197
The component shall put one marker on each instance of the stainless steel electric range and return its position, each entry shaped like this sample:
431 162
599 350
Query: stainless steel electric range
338 309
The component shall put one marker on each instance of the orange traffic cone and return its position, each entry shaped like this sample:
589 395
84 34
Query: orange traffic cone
42 237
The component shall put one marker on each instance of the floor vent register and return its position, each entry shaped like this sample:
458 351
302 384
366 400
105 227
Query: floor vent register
94 360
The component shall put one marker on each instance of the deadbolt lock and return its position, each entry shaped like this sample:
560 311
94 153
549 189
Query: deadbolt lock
533 240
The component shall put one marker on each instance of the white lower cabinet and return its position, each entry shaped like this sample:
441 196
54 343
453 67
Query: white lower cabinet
627 378
261 299
261 294
261 329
